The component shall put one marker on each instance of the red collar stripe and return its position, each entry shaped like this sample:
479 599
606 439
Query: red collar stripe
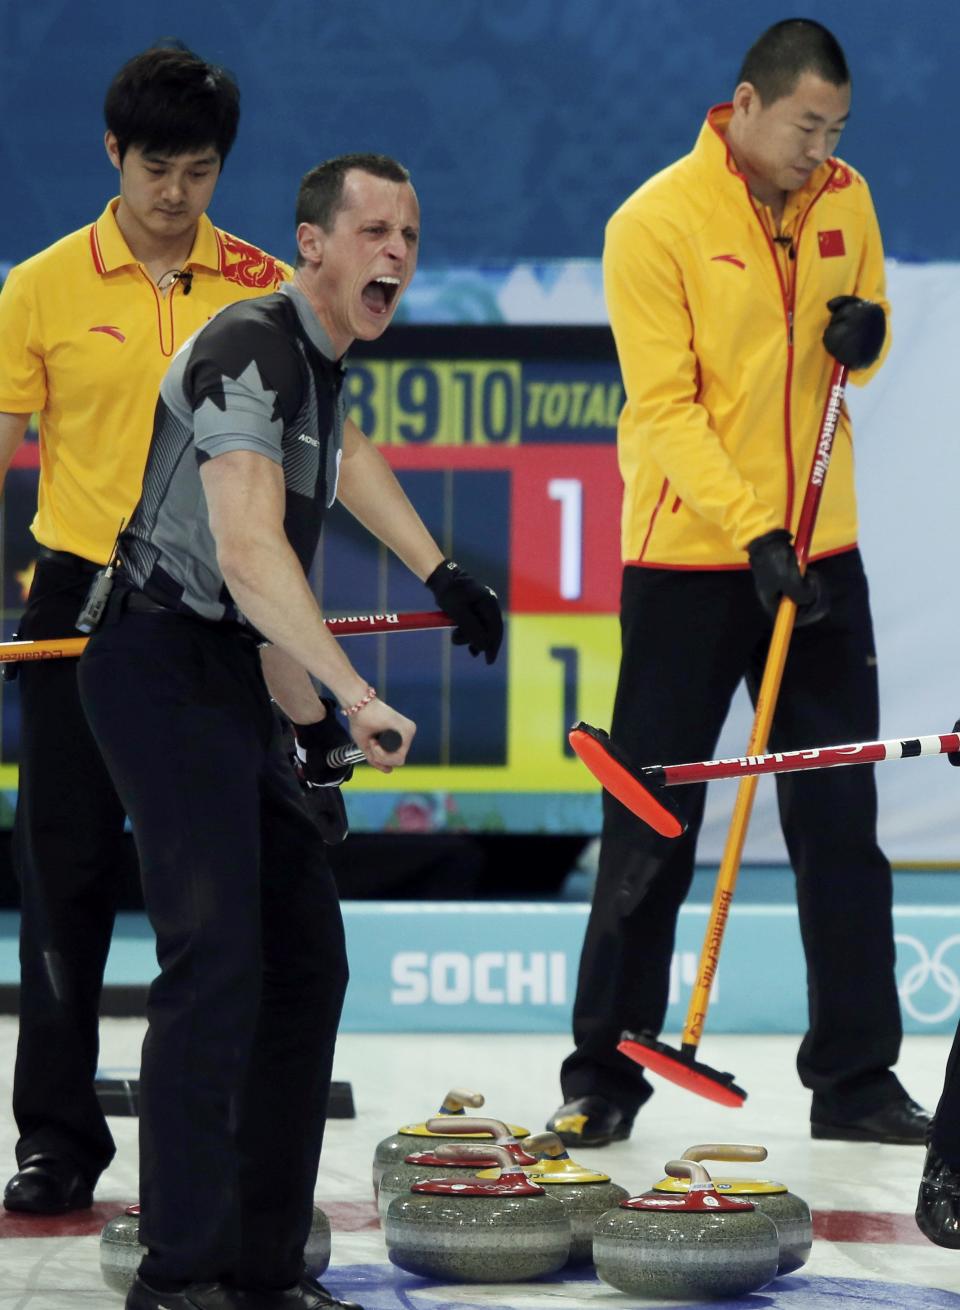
98 263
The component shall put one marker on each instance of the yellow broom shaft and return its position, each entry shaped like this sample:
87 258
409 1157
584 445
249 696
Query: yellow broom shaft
737 833
762 721
54 649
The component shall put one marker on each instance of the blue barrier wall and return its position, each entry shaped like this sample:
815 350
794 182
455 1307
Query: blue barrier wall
525 122
512 967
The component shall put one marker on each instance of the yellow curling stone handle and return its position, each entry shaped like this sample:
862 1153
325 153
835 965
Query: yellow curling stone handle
554 1165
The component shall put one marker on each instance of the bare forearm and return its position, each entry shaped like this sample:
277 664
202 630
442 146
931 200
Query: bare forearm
370 491
290 686
269 586
245 495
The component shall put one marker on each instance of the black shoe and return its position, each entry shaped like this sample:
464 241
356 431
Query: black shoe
899 1123
46 1184
198 1296
938 1204
308 1294
589 1121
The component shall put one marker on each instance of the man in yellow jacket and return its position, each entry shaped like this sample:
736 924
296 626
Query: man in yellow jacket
87 330
732 277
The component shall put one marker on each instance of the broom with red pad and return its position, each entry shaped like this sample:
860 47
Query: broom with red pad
613 771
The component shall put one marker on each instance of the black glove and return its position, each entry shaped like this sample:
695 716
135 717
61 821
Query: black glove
954 756
472 606
314 740
856 330
776 573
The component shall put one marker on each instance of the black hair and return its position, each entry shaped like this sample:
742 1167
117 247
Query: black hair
320 197
168 101
776 61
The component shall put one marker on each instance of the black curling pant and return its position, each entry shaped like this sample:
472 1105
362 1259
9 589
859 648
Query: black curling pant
688 640
67 857
242 1018
945 1136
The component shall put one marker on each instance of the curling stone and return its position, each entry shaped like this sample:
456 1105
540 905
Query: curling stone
121 1251
478 1230
694 1244
789 1212
392 1150
583 1194
421 1165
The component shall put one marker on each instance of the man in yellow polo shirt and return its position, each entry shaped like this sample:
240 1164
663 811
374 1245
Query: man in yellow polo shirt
87 330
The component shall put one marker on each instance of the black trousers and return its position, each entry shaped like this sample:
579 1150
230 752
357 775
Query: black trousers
67 856
945 1136
688 640
242 1018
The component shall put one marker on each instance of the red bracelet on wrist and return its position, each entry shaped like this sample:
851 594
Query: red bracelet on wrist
369 695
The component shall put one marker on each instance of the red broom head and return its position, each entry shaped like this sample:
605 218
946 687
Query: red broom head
601 757
687 1073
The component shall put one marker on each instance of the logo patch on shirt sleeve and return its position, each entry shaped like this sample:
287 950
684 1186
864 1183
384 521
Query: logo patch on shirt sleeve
831 243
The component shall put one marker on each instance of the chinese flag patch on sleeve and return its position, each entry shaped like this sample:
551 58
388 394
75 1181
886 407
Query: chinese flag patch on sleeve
831 243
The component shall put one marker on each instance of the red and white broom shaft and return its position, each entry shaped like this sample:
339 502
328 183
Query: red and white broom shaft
354 625
818 757
351 625
821 458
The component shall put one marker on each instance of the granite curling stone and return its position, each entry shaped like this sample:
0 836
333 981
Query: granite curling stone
583 1193
790 1213
478 1230
121 1250
694 1244
421 1165
392 1150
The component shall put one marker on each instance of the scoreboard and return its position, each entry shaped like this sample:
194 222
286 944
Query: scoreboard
504 440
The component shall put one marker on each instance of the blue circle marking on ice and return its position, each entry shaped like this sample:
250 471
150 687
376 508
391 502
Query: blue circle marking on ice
383 1287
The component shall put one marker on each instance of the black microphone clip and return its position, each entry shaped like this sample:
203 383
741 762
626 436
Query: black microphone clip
184 275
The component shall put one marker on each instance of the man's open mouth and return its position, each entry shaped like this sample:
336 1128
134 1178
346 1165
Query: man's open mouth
380 294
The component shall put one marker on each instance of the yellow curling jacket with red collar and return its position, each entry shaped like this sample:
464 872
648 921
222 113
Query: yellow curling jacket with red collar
719 332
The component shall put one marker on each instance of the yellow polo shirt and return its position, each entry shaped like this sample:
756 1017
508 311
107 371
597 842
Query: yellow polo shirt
85 339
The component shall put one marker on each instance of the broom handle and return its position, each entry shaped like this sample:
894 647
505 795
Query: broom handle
762 722
813 757
737 832
354 625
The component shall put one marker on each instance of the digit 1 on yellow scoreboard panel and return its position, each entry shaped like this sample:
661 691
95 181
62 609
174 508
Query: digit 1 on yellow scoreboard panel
538 699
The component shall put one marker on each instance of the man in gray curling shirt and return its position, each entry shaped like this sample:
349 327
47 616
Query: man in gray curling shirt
250 446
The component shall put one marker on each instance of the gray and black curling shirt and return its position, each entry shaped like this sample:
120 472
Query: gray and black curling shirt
260 376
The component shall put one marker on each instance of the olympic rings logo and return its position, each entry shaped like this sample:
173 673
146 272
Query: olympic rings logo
929 971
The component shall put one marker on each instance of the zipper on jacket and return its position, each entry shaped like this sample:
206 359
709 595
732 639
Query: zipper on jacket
788 294
791 306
